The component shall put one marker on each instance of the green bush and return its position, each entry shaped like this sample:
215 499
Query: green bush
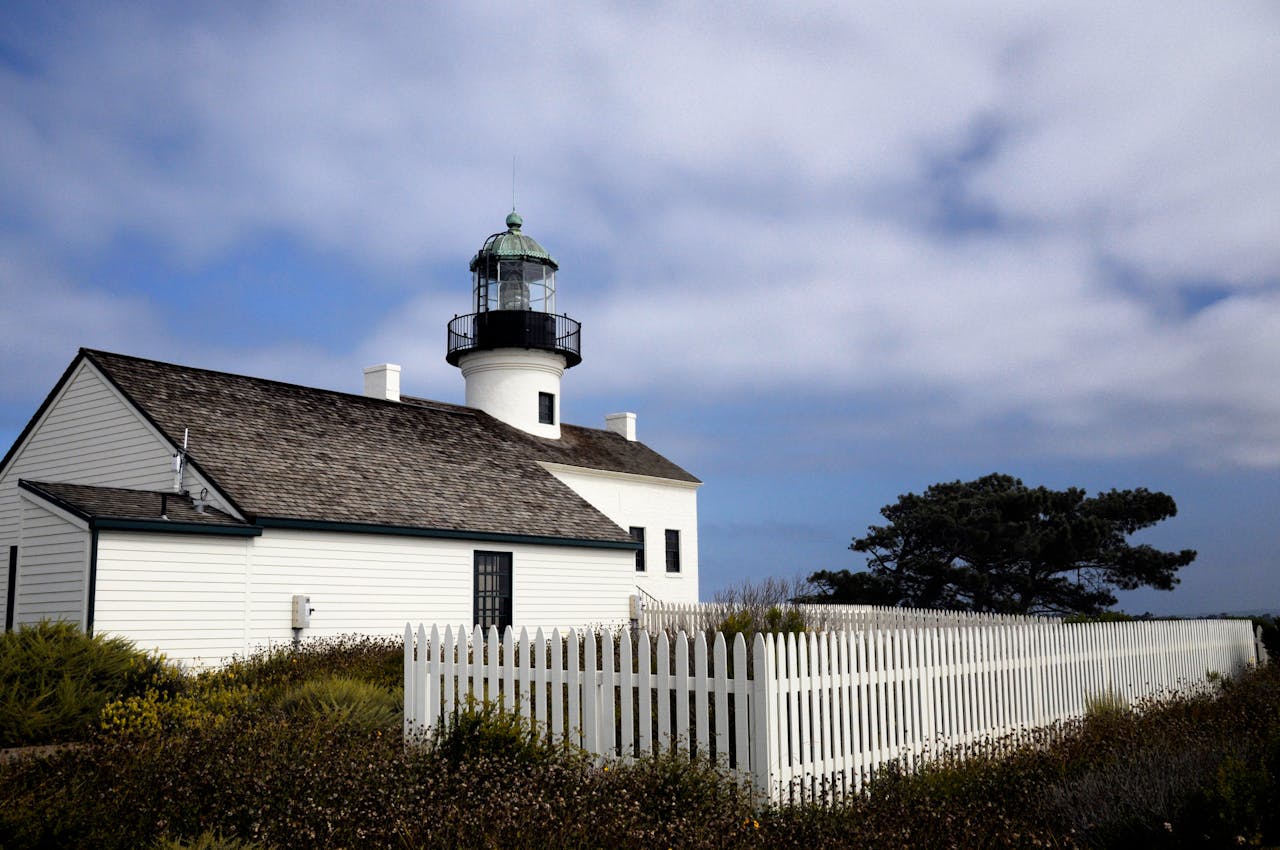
343 701
775 619
484 731
55 681
1105 707
155 711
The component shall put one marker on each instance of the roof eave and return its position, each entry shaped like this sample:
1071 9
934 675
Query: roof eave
441 533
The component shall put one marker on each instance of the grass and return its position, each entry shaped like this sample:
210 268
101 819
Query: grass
230 759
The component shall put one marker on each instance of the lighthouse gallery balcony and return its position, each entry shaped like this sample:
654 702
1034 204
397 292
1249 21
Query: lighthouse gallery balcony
530 329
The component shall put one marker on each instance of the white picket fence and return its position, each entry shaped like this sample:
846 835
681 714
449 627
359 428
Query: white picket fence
657 616
812 714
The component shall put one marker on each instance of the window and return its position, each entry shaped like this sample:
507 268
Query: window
673 550
547 408
493 589
637 534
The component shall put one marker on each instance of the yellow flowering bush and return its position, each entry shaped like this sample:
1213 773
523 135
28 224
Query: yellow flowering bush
157 711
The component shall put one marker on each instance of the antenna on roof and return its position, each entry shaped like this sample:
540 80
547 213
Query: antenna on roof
180 462
513 182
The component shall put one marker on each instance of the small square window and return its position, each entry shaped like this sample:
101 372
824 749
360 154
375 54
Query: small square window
547 408
673 550
637 534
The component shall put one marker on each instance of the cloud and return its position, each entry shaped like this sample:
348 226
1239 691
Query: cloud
968 220
47 318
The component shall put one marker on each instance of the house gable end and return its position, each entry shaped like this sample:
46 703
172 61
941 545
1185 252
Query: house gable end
86 432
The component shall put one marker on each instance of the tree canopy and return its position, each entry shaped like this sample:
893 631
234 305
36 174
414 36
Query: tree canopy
995 544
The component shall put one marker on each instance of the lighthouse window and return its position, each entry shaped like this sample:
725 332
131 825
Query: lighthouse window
673 550
547 408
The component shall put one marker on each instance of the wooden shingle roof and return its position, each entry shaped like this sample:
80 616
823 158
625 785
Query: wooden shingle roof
116 503
286 452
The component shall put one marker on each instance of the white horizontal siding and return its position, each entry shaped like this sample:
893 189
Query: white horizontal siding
565 587
655 506
180 594
201 598
358 583
88 435
53 567
373 584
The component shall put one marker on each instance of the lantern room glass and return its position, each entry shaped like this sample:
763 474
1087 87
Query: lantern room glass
514 285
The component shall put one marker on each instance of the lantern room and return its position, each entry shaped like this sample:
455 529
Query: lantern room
514 300
513 272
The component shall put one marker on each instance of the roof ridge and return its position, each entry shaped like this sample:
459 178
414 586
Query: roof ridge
94 353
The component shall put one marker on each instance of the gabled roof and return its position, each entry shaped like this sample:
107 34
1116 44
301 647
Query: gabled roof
286 452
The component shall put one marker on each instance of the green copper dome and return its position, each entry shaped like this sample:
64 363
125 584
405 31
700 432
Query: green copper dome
512 244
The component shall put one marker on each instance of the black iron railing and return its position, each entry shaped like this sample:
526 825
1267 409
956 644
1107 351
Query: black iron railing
515 329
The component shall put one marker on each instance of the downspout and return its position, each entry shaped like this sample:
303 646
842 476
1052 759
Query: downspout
11 589
93 580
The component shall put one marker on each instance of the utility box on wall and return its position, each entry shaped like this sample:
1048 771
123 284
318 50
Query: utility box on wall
302 611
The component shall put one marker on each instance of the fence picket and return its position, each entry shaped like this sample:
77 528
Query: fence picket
680 735
721 683
557 686
606 730
741 707
524 658
590 695
626 683
574 680
646 696
449 661
476 692
701 703
541 685
664 693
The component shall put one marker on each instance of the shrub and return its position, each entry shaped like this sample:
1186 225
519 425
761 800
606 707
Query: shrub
272 672
766 606
343 701
156 711
55 680
1105 707
484 731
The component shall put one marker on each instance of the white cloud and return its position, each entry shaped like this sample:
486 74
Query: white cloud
765 188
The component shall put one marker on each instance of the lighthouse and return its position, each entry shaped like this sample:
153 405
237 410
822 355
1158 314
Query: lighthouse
513 348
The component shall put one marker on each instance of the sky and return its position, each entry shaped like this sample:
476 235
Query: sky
828 253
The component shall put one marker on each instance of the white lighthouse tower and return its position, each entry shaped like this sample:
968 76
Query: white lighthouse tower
514 348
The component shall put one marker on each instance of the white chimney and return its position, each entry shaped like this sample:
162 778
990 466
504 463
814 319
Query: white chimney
622 423
382 382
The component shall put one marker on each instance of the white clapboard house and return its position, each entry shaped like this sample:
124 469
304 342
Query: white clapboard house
206 514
